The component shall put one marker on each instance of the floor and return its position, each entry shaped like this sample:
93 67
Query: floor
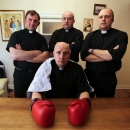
122 93
10 93
118 93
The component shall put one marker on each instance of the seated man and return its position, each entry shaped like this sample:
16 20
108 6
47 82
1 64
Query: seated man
67 78
60 77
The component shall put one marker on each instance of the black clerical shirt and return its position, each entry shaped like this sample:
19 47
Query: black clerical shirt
68 82
28 41
70 36
108 41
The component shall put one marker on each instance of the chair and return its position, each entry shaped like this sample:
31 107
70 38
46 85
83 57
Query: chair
3 87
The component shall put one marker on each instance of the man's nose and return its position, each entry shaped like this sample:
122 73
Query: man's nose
66 20
104 18
32 22
61 55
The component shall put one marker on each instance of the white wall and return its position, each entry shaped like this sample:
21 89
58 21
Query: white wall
81 9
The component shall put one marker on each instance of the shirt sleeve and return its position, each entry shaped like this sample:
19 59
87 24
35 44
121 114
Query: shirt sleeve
122 41
78 41
82 81
53 40
44 44
85 47
14 39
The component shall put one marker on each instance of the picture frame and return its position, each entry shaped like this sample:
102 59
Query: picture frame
11 21
98 8
88 25
48 24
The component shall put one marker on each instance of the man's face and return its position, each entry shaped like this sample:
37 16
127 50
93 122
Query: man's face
31 22
105 19
61 54
67 20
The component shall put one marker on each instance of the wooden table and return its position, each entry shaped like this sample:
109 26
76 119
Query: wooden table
106 114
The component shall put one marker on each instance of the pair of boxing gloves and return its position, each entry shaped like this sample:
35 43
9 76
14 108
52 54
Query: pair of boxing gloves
43 111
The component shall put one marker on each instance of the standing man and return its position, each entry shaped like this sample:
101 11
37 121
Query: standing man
28 50
68 34
103 50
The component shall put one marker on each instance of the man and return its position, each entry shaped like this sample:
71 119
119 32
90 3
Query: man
28 50
103 50
68 34
67 80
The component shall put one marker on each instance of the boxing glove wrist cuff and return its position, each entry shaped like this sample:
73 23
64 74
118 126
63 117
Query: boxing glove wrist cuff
89 101
33 101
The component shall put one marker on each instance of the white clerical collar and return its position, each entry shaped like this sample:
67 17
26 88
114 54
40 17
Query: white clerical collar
61 68
66 30
103 32
31 32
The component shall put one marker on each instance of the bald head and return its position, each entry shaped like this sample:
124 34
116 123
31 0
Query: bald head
62 45
107 9
61 54
68 13
67 20
105 19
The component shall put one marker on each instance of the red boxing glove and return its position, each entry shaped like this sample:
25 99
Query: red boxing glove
78 111
43 112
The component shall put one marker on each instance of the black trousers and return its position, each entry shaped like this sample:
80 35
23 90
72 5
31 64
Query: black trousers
104 84
22 80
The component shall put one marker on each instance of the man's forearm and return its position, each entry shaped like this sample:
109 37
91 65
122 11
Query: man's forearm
40 58
104 54
84 95
22 55
36 95
93 58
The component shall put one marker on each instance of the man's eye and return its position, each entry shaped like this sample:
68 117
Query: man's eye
107 16
65 53
64 18
58 53
35 21
69 18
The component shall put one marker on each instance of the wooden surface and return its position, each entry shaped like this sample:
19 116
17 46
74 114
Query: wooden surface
106 114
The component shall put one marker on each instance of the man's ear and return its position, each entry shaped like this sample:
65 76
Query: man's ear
24 20
38 23
53 53
113 20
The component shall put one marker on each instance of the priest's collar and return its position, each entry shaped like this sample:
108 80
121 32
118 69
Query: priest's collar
68 30
61 68
30 31
105 31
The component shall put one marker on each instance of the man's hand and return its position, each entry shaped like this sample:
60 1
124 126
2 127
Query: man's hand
18 46
116 47
73 43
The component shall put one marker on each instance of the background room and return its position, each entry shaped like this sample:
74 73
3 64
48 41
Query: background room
83 11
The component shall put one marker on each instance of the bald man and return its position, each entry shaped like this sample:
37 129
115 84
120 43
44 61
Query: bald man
68 34
67 78
103 50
